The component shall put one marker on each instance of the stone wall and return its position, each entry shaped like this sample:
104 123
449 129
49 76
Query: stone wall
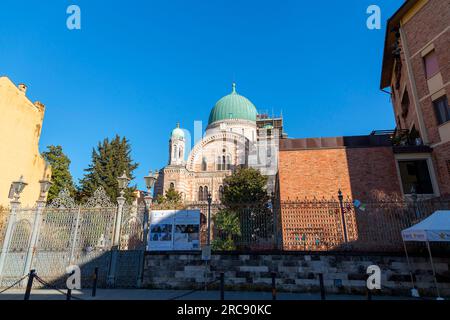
51 266
296 272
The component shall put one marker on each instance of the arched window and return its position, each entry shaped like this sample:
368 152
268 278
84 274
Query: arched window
205 193
204 164
224 162
200 194
180 153
175 152
219 163
172 185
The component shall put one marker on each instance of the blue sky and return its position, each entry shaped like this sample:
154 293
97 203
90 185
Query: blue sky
137 67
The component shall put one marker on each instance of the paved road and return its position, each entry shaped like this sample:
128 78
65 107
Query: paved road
142 294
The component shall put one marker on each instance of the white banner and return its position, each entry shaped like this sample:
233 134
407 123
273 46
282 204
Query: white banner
174 230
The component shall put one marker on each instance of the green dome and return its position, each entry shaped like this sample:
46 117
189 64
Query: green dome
233 106
177 133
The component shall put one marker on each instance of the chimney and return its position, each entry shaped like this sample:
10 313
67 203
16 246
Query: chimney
40 105
22 87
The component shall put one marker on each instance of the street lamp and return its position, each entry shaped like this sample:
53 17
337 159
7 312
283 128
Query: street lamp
149 183
45 187
209 199
414 199
150 180
14 193
341 206
123 183
17 188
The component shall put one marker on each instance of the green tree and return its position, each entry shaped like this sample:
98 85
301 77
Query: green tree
61 176
172 195
160 199
171 200
245 186
109 160
228 227
245 194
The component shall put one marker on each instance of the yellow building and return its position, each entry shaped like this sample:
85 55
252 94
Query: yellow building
20 130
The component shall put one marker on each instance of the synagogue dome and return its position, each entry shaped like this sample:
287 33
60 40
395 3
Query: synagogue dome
233 106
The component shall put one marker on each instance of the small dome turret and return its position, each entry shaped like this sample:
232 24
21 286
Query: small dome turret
177 133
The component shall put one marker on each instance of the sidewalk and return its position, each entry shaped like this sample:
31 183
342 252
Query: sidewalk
143 294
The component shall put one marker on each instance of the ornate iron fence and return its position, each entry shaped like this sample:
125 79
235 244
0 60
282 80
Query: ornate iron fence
202 206
4 214
338 224
131 231
311 224
254 227
20 240
51 238
256 224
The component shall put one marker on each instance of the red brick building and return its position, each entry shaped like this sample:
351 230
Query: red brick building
412 159
416 67
362 167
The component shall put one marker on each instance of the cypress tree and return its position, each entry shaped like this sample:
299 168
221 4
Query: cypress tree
108 161
61 176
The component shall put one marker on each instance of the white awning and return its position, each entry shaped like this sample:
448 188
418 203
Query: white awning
435 228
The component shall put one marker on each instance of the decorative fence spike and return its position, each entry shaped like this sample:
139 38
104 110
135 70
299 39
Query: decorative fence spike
99 199
64 200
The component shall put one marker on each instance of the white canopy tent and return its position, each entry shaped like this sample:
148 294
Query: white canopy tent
435 228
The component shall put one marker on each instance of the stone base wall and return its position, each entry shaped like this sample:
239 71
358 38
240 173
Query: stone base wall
295 272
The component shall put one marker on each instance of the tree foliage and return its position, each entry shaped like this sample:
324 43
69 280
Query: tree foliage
172 195
108 161
61 176
228 227
245 195
244 186
170 200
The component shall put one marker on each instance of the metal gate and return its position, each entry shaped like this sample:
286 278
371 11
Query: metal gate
51 238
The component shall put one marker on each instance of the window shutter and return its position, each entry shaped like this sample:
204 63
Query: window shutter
431 64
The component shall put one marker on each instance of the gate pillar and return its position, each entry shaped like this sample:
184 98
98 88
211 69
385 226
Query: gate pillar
34 236
116 242
15 205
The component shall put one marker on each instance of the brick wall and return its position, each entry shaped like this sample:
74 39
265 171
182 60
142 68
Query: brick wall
428 26
296 272
425 27
313 173
441 157
360 173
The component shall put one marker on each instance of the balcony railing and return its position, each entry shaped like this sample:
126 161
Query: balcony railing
404 140
405 137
